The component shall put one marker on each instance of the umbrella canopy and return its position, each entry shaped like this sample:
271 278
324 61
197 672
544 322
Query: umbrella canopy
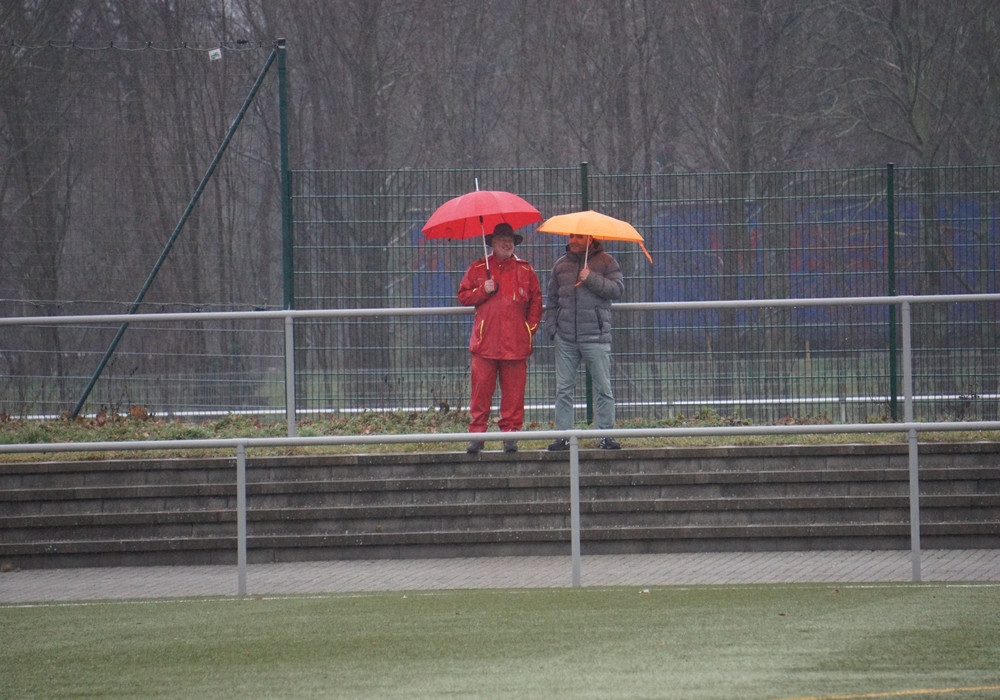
591 223
477 213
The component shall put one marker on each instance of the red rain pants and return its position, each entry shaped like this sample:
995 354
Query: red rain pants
512 375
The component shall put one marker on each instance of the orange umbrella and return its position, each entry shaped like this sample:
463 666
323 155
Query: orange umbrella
599 226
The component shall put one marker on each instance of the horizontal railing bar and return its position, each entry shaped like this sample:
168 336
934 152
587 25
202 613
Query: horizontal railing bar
403 438
236 315
460 310
806 400
678 403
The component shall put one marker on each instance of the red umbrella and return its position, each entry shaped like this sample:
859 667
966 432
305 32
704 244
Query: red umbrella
476 213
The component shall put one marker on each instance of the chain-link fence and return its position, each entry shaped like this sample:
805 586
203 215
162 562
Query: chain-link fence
803 235
722 236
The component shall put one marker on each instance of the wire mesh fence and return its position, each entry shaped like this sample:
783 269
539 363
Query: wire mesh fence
762 364
717 236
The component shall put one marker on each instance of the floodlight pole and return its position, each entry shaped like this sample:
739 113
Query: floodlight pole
287 240
176 233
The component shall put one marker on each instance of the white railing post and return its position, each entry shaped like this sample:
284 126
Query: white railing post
574 506
290 374
911 438
241 519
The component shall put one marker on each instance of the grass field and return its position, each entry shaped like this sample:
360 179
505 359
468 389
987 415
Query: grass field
768 641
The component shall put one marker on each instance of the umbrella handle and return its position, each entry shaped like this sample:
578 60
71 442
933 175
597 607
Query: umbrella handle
586 257
486 253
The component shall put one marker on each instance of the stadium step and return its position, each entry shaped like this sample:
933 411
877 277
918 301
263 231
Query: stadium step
183 511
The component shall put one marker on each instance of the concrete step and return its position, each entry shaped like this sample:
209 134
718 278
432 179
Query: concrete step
610 514
162 512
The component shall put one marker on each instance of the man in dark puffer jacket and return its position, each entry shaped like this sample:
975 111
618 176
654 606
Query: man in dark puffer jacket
583 284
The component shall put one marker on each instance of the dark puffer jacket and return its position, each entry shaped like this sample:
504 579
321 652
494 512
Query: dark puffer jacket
582 313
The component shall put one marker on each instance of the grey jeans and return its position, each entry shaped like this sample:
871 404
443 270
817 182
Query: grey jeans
597 357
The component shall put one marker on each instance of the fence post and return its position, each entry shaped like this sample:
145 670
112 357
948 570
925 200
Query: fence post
890 205
287 260
588 384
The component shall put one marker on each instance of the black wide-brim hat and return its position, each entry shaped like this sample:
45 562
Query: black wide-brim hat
504 228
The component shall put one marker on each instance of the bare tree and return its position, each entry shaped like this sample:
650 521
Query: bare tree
907 72
37 184
921 74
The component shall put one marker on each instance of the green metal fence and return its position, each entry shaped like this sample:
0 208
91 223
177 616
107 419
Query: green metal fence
727 236
721 236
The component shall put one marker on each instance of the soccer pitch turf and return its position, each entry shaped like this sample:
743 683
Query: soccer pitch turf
745 641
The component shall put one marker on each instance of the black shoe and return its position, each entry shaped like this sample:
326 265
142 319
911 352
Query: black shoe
609 443
559 445
510 445
474 447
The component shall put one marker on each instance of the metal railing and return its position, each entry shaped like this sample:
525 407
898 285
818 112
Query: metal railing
644 388
909 425
240 446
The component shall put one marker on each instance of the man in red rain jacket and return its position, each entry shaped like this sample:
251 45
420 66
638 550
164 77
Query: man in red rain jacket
508 300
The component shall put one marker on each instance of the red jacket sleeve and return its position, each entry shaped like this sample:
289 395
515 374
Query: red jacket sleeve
470 290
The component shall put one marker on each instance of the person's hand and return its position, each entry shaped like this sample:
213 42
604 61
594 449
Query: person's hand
490 286
584 273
